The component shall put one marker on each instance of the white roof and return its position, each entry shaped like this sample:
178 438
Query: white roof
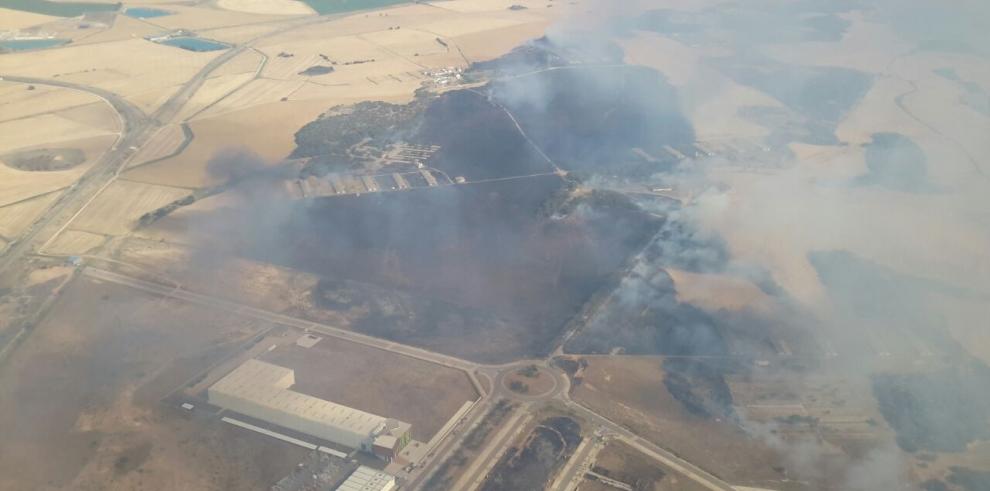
255 373
368 479
268 385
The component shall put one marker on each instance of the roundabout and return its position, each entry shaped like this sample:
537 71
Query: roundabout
529 382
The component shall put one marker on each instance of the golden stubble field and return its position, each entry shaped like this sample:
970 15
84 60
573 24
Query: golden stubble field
40 120
234 110
139 70
11 19
276 7
255 102
116 210
267 131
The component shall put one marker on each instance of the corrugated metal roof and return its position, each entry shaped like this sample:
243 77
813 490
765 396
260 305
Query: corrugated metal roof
267 384
368 479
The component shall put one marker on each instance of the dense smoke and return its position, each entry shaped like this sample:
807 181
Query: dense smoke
863 212
878 242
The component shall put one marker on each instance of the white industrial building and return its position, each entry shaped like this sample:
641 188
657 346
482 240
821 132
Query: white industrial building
368 479
262 390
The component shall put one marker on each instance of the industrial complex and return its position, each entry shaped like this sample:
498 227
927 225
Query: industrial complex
368 479
320 472
262 390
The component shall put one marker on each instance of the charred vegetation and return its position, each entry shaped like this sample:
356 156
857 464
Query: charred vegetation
549 445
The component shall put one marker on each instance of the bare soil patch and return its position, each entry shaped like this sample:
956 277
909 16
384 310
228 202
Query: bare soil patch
631 392
79 399
417 392
625 464
45 159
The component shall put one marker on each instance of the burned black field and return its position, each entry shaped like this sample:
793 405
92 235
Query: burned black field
496 263
495 267
549 445
478 270
595 118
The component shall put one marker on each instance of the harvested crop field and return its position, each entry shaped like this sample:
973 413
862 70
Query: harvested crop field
165 141
417 392
254 93
116 210
17 185
265 130
98 115
19 19
212 90
129 67
276 7
75 242
15 218
25 100
43 130
42 172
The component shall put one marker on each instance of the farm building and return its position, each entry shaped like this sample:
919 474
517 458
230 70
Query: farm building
262 390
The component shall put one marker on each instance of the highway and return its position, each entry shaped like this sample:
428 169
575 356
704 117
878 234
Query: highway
137 128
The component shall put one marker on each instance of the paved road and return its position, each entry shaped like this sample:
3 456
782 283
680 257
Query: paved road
676 463
485 461
438 455
138 128
135 130
560 392
127 111
197 298
573 472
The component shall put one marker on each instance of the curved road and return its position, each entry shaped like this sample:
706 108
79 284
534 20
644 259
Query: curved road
135 126
137 129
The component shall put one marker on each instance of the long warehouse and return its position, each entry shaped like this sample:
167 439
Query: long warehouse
262 390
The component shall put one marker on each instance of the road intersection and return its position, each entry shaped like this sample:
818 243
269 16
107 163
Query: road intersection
137 128
495 374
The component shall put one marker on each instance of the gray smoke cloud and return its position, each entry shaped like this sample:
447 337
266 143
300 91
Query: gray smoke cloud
845 179
867 215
